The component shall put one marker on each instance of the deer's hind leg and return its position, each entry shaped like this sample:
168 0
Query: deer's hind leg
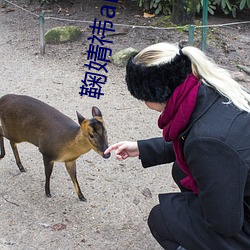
18 161
71 168
1 144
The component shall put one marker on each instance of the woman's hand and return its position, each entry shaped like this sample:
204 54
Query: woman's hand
124 150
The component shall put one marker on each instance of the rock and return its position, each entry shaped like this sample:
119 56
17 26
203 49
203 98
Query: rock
147 193
2 3
239 76
45 225
244 68
63 34
136 201
121 58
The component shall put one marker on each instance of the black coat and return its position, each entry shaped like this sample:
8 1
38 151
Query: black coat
216 145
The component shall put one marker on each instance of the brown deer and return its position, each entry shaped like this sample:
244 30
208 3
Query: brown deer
59 139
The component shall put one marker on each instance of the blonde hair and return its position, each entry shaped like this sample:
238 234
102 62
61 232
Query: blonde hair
202 67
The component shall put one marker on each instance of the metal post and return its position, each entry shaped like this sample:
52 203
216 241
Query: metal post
204 24
42 31
191 35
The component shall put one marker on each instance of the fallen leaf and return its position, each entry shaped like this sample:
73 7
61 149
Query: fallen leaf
58 227
147 15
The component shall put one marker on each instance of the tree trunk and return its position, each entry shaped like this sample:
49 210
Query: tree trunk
183 11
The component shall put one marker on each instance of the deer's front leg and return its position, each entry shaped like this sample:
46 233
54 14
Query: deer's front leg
71 168
48 165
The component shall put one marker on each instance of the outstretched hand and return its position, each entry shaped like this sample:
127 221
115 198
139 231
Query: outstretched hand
124 150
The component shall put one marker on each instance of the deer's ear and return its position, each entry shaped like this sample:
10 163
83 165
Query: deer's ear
96 112
80 118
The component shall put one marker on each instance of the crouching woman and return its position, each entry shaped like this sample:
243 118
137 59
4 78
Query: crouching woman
205 120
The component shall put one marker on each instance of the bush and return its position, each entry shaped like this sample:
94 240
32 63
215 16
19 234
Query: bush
232 6
156 6
227 6
165 6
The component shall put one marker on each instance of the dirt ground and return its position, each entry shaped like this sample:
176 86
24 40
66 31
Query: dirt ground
119 195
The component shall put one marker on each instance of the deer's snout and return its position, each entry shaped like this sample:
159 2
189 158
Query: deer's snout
106 156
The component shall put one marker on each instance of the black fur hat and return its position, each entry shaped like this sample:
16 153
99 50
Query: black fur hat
156 83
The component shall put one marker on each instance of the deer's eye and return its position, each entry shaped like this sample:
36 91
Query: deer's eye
91 136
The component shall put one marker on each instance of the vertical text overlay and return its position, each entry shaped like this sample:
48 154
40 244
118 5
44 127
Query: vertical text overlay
98 54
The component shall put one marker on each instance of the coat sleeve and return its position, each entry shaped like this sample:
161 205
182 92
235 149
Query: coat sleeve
220 173
155 151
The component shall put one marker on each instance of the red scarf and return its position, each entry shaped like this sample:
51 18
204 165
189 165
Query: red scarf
174 119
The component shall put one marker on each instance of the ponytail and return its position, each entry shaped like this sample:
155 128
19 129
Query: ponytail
218 78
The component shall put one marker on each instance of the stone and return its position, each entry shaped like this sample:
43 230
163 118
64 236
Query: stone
244 68
121 58
2 3
239 76
63 34
147 193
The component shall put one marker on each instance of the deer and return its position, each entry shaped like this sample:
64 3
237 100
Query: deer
58 137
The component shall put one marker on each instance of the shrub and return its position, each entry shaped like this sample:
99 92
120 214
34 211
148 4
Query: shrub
165 6
156 6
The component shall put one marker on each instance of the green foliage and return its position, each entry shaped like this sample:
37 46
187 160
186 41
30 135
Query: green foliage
244 4
226 6
165 6
157 6
229 6
211 7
